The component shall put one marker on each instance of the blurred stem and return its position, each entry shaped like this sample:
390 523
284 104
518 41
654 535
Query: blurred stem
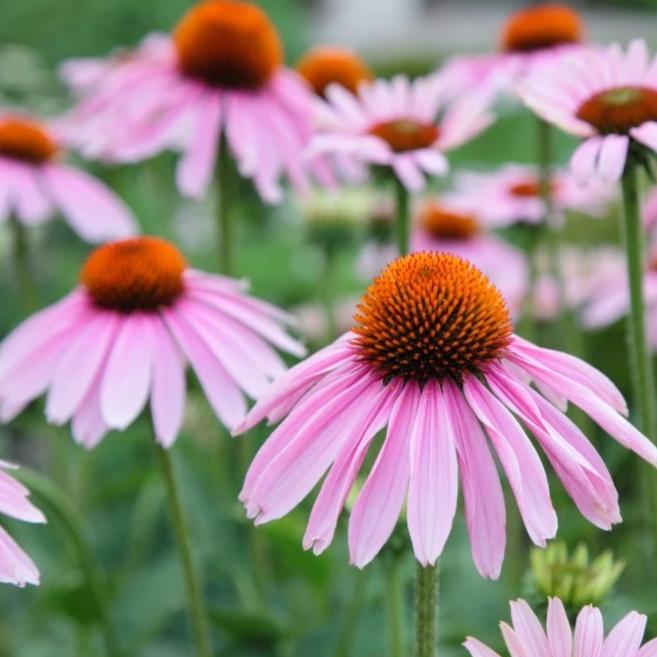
225 240
196 604
59 506
403 214
426 610
394 593
352 612
327 285
527 327
24 275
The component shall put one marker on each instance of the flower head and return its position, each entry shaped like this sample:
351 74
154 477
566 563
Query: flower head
126 333
607 97
404 125
432 357
526 636
326 65
220 72
35 183
15 566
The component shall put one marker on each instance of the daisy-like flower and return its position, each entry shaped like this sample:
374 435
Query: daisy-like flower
35 185
407 126
452 225
126 332
220 73
513 195
326 65
15 566
525 637
607 97
433 358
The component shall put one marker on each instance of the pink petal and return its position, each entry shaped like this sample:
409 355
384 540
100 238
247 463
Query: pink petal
611 161
559 634
625 637
513 642
88 426
529 629
583 163
478 649
588 633
15 566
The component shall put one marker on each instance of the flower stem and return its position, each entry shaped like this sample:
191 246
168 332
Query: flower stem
24 275
58 505
394 605
426 610
196 604
224 215
403 214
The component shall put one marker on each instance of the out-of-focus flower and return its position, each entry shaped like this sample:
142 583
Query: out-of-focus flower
126 332
15 566
574 578
312 322
326 65
607 97
513 195
35 184
588 274
407 126
218 78
432 357
452 224
527 638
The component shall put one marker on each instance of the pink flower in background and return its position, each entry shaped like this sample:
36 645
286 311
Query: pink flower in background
219 75
126 333
432 357
649 210
512 194
35 185
607 97
407 126
525 637
15 566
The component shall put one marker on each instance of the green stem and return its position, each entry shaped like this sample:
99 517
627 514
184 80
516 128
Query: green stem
403 216
394 605
59 506
24 276
196 604
224 215
426 610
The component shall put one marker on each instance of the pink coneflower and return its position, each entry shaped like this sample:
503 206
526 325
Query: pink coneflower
607 97
452 224
525 637
126 332
404 125
220 73
15 566
513 195
326 65
432 357
35 184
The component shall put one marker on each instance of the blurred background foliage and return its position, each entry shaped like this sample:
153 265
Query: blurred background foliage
279 600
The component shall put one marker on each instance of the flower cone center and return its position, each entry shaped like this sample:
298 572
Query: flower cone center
142 273
543 26
327 65
405 134
617 110
228 44
431 316
26 140
447 225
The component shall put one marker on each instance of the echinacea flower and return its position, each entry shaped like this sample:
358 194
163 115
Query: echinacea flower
607 97
402 124
525 637
433 358
512 194
326 65
219 77
126 332
451 224
15 566
35 185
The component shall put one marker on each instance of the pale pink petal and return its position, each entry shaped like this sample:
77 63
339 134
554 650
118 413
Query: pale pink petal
649 649
624 639
559 634
583 163
529 629
611 161
588 637
88 426
514 644
15 566
478 649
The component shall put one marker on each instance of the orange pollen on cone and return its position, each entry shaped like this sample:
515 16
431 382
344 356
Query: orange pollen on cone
543 26
529 189
23 139
617 110
447 224
431 316
327 65
227 43
406 134
141 273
